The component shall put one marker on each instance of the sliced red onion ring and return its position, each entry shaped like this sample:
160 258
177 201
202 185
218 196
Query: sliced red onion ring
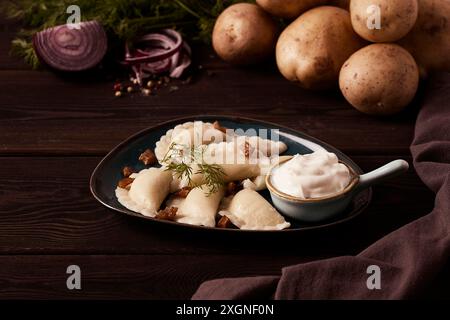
185 62
157 53
70 48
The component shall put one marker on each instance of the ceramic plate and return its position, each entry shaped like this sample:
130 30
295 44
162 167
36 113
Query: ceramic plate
106 175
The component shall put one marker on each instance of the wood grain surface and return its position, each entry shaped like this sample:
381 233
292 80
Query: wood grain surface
54 129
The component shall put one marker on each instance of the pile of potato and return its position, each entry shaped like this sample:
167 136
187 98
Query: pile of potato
329 42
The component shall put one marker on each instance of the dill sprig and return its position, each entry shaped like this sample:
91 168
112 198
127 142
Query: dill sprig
213 175
24 49
181 170
177 161
123 20
181 163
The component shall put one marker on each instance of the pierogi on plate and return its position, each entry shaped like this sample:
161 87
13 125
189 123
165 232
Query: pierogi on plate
206 171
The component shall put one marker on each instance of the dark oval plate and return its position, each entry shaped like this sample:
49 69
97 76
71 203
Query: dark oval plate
106 175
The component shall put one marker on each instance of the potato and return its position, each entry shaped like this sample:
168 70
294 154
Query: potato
244 34
289 9
313 48
380 79
429 41
397 18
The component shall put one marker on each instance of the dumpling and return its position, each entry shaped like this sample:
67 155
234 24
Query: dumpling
248 210
240 159
239 171
267 147
188 134
246 158
257 184
231 173
243 150
147 192
199 208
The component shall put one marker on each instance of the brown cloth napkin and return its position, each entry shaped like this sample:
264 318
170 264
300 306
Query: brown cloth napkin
409 258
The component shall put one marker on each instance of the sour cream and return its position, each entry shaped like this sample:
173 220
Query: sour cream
310 176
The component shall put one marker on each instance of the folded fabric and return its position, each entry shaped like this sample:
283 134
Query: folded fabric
409 258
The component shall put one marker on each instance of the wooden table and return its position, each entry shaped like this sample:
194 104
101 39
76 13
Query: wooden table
55 129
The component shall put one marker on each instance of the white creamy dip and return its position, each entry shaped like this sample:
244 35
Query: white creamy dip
310 176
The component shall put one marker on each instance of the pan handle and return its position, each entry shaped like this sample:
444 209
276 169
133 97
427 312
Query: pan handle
381 174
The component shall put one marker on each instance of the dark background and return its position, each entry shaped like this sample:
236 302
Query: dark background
55 129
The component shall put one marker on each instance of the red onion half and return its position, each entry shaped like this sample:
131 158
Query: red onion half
157 53
67 48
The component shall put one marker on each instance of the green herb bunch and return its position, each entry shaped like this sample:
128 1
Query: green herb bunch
122 19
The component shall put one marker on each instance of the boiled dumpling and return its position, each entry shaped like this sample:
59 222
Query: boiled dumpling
267 147
243 150
231 173
188 134
257 184
147 192
199 208
248 210
246 158
239 161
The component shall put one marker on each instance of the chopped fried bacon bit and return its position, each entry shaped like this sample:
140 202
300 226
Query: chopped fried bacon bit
231 188
125 183
247 150
168 213
217 126
127 171
225 223
148 157
183 192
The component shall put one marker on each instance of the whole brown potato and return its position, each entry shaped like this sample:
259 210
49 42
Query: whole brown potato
313 48
429 40
244 34
289 8
397 18
380 79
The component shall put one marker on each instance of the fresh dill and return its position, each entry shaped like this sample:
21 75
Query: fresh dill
213 175
181 159
123 20
181 170
175 161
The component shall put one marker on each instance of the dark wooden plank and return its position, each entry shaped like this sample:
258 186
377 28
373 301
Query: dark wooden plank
46 208
42 113
126 277
138 277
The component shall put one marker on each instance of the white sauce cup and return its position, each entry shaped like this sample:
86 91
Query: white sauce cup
323 208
